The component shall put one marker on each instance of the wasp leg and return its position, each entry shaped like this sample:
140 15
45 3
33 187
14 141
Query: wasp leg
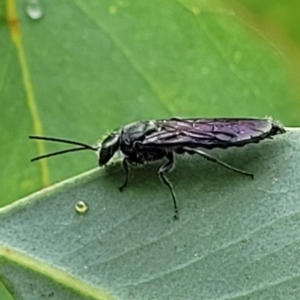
165 168
125 163
213 159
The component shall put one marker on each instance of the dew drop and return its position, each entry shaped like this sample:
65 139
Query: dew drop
33 9
81 207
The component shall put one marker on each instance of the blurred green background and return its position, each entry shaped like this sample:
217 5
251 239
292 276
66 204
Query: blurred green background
80 69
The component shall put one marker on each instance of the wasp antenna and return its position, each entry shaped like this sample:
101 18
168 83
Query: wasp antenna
52 139
58 140
60 152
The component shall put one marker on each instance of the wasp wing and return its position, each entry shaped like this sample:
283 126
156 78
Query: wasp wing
211 133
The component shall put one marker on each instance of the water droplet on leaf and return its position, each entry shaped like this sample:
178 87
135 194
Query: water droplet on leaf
81 207
33 9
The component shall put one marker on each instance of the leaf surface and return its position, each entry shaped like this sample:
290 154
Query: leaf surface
236 237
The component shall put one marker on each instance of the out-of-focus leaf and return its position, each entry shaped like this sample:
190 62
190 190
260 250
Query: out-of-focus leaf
86 67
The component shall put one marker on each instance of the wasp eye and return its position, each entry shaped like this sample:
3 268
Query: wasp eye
108 148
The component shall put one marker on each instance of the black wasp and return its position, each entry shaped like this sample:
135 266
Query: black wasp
148 141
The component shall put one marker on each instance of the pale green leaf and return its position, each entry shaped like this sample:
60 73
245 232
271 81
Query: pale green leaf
236 238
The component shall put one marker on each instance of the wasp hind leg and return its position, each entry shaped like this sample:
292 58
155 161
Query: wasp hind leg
215 160
165 168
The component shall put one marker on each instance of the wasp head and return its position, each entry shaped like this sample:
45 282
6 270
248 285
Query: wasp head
108 148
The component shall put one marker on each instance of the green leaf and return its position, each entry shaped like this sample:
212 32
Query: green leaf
283 15
4 293
87 67
236 238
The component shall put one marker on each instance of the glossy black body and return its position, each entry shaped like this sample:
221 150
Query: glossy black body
146 141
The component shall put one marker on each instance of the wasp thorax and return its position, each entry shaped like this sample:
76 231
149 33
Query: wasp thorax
137 131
